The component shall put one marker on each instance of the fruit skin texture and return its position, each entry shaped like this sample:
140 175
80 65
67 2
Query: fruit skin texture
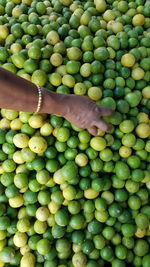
37 144
143 130
7 254
146 92
28 259
79 259
138 20
128 60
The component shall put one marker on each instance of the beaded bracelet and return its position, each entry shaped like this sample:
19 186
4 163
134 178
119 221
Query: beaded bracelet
39 99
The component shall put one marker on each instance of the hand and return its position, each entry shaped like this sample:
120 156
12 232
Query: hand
85 114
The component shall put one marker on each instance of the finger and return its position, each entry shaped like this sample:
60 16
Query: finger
104 111
93 130
103 125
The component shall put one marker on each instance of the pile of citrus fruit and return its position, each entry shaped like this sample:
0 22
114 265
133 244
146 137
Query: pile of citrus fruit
68 199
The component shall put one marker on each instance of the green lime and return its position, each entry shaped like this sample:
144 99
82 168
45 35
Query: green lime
122 170
141 248
101 53
141 220
128 230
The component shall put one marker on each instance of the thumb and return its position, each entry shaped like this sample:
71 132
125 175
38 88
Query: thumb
93 130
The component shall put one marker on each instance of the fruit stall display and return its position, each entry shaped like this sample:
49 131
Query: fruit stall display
67 198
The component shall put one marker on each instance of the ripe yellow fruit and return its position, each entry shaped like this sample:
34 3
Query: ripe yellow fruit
69 193
128 60
117 27
81 159
79 259
46 129
109 15
100 5
146 92
143 117
24 249
52 37
65 2
56 59
15 48
27 260
17 157
90 193
20 239
16 124
98 143
125 152
36 121
16 202
143 130
78 12
137 73
95 93
138 20
16 12
53 207
3 32
73 7
27 2
110 24
140 233
37 144
21 140
42 214
58 177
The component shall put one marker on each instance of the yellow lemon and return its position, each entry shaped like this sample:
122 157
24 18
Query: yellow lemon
143 130
138 20
128 60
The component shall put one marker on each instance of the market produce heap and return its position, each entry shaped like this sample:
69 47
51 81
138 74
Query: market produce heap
67 198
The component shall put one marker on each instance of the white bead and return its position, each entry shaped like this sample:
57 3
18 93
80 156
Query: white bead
39 99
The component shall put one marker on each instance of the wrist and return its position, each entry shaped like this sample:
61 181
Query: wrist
54 103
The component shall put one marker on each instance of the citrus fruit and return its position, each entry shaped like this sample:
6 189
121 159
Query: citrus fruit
79 259
98 143
141 221
21 140
52 37
95 93
138 20
3 31
7 254
37 144
27 259
145 92
39 77
128 60
143 130
20 239
137 73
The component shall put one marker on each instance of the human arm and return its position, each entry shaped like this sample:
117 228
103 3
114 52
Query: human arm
17 93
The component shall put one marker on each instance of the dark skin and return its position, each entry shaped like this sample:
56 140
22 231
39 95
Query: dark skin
17 93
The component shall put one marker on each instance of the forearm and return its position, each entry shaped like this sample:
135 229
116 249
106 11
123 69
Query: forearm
19 94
